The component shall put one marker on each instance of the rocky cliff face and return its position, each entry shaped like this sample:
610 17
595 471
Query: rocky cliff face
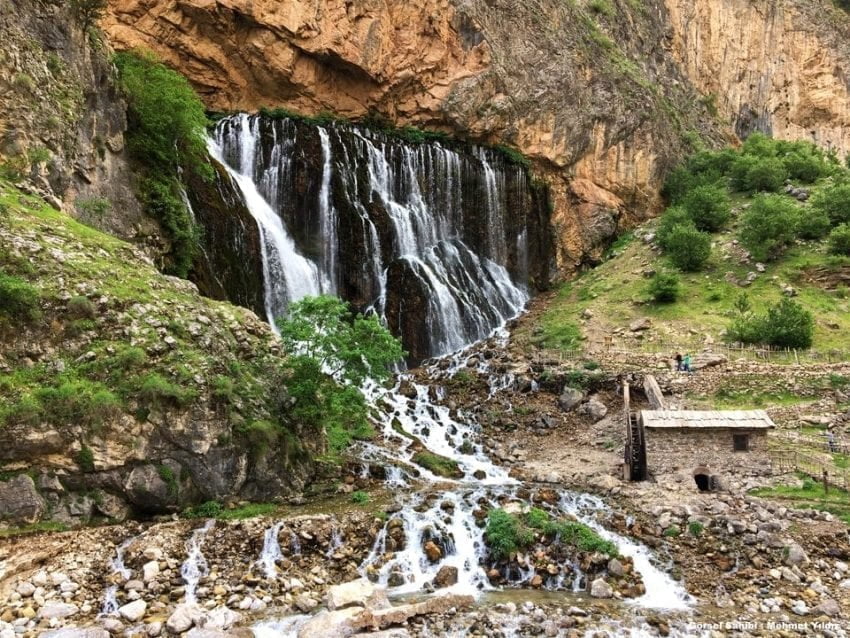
604 101
62 119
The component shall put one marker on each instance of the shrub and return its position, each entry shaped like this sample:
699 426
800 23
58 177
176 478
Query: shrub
739 172
834 202
130 358
673 217
437 464
839 240
708 207
812 224
222 389
18 299
360 497
261 435
26 411
769 225
688 248
672 532
695 528
766 175
161 198
664 287
157 390
85 459
81 308
805 167
789 325
78 402
167 476
603 7
23 81
505 534
209 509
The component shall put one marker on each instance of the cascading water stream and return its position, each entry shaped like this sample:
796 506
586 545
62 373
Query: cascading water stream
110 601
195 566
271 551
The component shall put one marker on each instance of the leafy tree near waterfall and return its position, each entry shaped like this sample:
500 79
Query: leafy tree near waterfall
331 353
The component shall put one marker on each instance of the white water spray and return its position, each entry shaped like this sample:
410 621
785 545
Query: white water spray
195 567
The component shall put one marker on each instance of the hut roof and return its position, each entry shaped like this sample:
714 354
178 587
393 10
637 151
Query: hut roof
706 419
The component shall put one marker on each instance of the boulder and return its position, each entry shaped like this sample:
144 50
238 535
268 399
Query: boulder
638 325
594 409
20 502
570 398
381 618
146 490
446 577
134 611
827 608
615 568
330 624
57 610
433 551
795 555
355 592
183 618
601 589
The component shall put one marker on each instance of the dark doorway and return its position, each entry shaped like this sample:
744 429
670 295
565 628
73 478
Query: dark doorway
703 482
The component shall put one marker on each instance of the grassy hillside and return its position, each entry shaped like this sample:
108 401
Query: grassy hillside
611 296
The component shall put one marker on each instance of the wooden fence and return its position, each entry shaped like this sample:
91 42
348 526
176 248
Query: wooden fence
783 461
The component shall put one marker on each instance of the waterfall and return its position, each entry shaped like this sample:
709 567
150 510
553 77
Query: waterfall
271 551
195 567
433 239
110 601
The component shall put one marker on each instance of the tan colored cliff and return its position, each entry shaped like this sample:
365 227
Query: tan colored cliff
604 104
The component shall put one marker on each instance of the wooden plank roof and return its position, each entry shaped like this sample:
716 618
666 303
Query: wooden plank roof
735 419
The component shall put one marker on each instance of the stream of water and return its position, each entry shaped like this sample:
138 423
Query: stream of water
195 567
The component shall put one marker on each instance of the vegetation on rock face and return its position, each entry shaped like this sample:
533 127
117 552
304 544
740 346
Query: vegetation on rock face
166 124
331 354
507 533
436 464
88 12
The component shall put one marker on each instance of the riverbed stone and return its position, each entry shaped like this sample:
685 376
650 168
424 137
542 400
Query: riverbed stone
446 576
330 624
601 589
134 611
57 610
355 592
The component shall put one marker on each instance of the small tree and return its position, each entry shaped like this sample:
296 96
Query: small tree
664 287
789 325
767 174
839 240
672 218
88 12
834 202
805 167
708 207
769 225
812 224
688 248
331 354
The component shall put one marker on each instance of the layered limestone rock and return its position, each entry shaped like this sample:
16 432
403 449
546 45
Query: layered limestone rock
612 99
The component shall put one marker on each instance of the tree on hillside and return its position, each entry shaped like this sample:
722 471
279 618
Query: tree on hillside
331 354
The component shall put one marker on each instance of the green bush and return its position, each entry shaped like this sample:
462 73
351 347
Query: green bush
161 198
812 224
839 240
155 389
769 225
78 402
209 509
85 459
26 411
505 534
789 325
261 435
18 299
88 12
92 207
672 218
688 248
834 202
663 287
130 358
166 474
222 389
672 532
81 308
695 528
360 497
708 207
805 167
603 7
766 175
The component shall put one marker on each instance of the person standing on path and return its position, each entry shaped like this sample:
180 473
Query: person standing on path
686 363
678 362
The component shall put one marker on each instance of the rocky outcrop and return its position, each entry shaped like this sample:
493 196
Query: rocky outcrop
62 118
150 404
604 102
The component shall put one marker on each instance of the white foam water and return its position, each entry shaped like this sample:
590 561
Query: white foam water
195 566
110 601
271 551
